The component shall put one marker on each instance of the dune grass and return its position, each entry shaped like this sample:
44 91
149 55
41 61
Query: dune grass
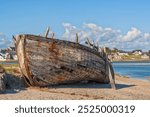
10 68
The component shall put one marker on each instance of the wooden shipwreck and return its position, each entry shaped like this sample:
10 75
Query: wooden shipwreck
47 61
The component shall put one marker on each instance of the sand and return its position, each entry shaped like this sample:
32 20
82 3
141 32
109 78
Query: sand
127 89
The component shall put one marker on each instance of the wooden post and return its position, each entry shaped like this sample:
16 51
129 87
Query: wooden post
111 77
110 73
105 50
103 53
93 43
14 39
52 35
47 31
98 46
88 42
77 39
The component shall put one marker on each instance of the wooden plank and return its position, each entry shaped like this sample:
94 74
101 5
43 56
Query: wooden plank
110 73
47 32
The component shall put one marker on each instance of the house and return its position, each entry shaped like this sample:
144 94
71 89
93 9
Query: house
137 52
7 56
2 57
8 53
122 53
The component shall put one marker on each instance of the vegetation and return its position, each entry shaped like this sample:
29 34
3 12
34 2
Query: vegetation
10 68
77 39
130 57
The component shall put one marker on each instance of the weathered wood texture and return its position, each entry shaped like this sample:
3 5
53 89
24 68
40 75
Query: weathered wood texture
46 61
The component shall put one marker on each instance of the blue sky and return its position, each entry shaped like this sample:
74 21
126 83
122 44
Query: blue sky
127 19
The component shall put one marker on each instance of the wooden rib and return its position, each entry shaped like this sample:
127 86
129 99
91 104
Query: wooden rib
110 73
47 32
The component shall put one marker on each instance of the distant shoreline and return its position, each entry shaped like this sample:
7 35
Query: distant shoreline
8 60
142 60
131 60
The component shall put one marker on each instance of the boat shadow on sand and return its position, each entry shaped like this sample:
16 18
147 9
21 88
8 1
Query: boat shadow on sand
76 85
92 85
14 86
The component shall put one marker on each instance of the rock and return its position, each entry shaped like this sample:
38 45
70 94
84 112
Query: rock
2 82
14 82
10 81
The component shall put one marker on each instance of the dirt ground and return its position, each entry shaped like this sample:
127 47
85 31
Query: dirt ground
127 89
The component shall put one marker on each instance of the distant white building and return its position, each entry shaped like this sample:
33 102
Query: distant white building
2 57
7 56
122 53
137 52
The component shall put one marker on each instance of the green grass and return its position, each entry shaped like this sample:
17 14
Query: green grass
130 57
10 68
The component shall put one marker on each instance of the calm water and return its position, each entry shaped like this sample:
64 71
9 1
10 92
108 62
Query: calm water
140 70
8 63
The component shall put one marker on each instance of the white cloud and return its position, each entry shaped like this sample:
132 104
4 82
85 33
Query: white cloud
134 33
106 36
70 32
147 35
91 25
4 42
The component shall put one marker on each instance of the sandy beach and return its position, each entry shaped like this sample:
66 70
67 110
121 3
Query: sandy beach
127 89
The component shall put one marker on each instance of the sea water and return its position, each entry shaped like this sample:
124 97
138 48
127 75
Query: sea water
140 70
8 62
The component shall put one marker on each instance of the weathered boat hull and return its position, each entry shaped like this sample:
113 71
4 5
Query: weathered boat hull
46 61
